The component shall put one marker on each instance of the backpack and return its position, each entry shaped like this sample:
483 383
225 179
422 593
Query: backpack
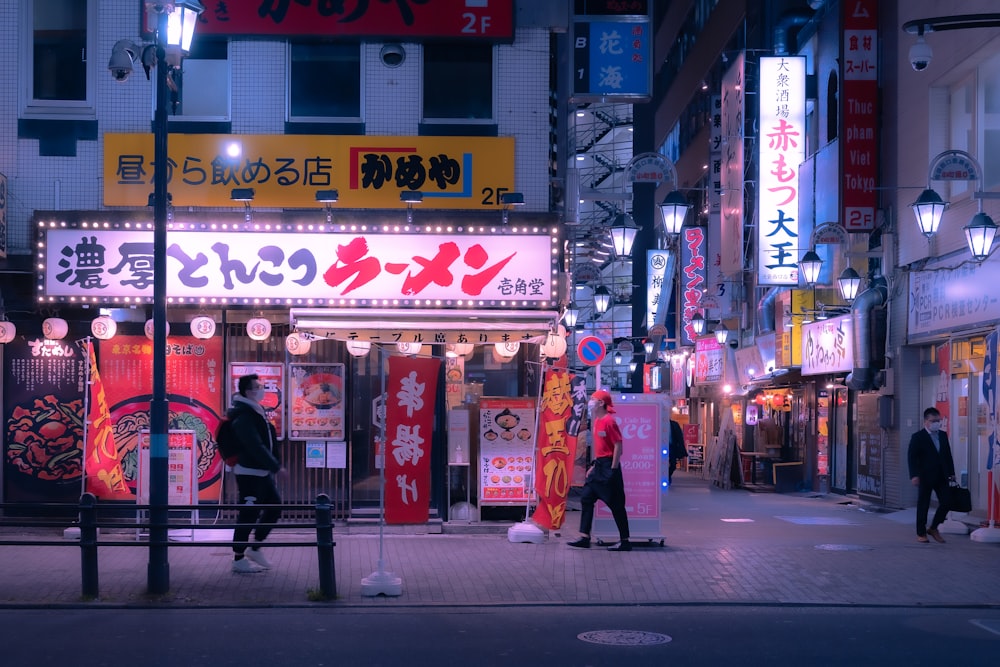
227 443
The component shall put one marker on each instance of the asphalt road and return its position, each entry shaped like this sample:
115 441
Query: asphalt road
503 636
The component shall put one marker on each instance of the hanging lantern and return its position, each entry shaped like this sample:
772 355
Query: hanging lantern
148 329
497 357
358 348
297 344
508 349
464 349
258 328
554 346
103 327
55 328
7 331
203 327
409 348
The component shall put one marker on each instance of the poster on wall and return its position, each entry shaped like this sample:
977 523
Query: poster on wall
43 387
506 453
316 402
195 390
272 379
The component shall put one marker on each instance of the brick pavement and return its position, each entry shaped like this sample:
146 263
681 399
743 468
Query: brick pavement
722 546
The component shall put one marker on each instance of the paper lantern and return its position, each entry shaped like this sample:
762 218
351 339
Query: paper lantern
409 348
464 349
258 328
203 327
554 346
7 331
358 348
508 349
55 328
149 329
297 344
103 327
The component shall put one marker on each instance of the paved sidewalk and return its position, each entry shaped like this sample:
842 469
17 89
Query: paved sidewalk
722 546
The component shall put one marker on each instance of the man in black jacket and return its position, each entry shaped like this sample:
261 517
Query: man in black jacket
676 449
931 468
255 472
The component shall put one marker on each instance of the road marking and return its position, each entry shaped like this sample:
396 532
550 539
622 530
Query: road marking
990 625
737 520
817 520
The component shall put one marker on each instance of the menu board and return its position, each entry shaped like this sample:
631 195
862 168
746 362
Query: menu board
272 379
506 450
181 485
869 434
316 405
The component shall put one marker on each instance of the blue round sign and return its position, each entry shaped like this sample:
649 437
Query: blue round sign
590 350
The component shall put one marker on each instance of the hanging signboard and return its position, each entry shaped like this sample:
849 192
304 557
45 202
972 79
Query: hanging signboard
859 72
828 346
612 54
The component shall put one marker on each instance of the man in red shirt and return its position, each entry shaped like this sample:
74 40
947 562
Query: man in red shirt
604 478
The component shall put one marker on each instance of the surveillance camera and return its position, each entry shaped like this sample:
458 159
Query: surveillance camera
734 343
392 55
122 57
920 55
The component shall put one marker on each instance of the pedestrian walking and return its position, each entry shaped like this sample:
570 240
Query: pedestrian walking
604 477
931 469
676 449
255 472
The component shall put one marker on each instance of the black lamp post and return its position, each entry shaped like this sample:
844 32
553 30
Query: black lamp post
174 28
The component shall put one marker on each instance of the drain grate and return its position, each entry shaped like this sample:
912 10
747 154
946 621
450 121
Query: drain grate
624 637
843 547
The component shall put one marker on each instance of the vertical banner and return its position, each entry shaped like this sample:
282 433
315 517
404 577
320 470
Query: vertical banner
993 436
731 177
564 399
692 280
943 386
859 113
411 390
43 387
782 150
101 464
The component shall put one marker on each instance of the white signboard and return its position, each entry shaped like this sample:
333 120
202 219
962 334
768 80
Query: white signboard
336 267
731 176
942 301
182 473
828 346
782 151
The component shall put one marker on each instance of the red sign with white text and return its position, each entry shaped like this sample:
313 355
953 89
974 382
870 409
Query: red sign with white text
411 390
859 111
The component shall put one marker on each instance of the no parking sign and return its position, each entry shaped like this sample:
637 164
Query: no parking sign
590 350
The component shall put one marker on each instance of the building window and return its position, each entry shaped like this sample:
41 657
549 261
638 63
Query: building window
324 82
202 84
58 72
452 66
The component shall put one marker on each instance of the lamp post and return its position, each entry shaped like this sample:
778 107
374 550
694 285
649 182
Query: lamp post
174 29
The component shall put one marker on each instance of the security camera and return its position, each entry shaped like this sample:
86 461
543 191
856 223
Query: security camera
392 55
734 343
920 55
122 56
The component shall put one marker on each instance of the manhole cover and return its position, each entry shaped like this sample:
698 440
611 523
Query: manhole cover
843 547
623 637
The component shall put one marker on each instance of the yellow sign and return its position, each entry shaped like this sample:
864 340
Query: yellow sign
286 171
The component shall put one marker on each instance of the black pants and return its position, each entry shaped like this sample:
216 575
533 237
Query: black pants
671 469
924 504
255 490
605 484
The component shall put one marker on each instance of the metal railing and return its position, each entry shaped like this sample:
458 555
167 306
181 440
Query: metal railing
93 516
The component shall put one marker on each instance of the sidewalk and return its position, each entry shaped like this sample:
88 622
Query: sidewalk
722 547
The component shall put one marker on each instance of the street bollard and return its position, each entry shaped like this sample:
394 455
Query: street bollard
324 547
88 544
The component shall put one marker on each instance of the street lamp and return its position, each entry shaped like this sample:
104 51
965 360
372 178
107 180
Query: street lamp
980 233
849 283
571 316
811 264
623 233
698 324
602 299
175 24
673 209
929 209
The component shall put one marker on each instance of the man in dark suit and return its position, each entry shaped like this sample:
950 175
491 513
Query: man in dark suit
676 449
931 468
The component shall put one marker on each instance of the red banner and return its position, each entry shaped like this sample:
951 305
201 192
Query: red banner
412 388
563 402
859 144
102 466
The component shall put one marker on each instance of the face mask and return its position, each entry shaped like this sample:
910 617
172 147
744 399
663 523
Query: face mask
592 405
256 395
934 427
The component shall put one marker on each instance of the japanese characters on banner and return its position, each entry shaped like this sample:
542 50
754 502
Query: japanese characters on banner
564 400
196 387
993 432
272 379
103 475
43 387
506 452
692 279
731 177
182 487
3 216
415 20
316 402
782 150
859 111
828 346
612 57
709 360
328 267
411 390
659 271
286 170
942 387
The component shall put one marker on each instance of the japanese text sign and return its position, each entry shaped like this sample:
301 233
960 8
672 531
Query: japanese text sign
828 346
286 170
564 400
612 59
731 175
105 265
659 271
859 111
709 360
412 388
964 297
639 422
782 150
506 450
692 279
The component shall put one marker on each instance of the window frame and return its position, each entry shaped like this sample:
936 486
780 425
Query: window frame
494 77
289 117
31 108
188 118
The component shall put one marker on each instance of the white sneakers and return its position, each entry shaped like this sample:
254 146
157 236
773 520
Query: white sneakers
257 557
244 566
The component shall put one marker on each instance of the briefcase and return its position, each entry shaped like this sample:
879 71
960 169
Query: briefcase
961 499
